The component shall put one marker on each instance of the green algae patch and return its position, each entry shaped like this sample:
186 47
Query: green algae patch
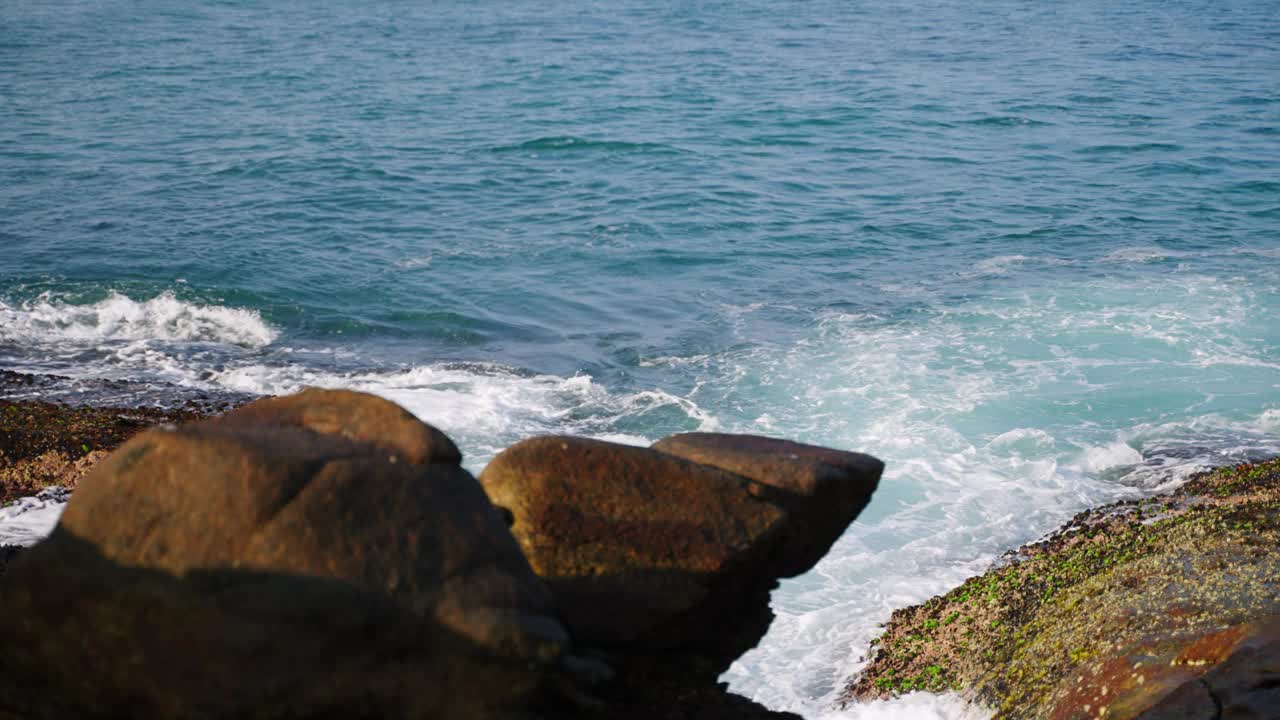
1119 608
45 444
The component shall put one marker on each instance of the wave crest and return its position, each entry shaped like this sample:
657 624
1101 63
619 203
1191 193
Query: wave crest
47 319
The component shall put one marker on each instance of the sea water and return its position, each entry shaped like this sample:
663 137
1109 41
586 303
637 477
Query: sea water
1027 253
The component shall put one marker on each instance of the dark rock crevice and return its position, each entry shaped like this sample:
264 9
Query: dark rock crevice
1217 701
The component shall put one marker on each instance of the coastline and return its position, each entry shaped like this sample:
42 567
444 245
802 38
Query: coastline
666 680
1010 617
54 429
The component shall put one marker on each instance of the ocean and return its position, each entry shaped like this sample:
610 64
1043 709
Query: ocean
1027 253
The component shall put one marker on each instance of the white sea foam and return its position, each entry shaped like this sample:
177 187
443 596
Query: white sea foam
485 406
918 706
1140 255
47 320
1108 457
1024 438
411 263
999 265
1081 373
30 519
675 361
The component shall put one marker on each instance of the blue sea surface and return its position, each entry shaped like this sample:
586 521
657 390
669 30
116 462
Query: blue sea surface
1026 252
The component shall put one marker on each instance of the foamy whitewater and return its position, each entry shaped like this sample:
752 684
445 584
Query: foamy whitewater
1027 253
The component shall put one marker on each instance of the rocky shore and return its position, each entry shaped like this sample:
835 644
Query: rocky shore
47 447
53 444
1168 607
326 555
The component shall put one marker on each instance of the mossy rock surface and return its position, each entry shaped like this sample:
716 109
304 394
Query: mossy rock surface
1120 613
47 444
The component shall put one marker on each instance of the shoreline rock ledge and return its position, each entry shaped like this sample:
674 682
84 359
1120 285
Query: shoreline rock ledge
325 554
1166 607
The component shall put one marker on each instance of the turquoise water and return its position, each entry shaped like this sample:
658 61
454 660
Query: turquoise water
1027 253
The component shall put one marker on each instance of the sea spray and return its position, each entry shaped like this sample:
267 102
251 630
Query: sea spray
49 320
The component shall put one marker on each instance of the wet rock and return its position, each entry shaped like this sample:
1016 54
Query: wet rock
1247 683
1160 608
1233 672
52 468
641 549
101 393
822 489
1243 682
315 556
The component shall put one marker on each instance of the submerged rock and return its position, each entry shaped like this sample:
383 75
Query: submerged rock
1162 608
296 558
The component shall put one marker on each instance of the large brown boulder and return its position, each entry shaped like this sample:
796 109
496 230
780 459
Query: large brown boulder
823 489
353 415
640 548
298 557
676 547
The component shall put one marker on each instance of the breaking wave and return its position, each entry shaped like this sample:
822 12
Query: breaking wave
49 320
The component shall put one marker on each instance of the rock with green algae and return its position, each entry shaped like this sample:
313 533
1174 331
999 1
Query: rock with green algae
1165 607
46 444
